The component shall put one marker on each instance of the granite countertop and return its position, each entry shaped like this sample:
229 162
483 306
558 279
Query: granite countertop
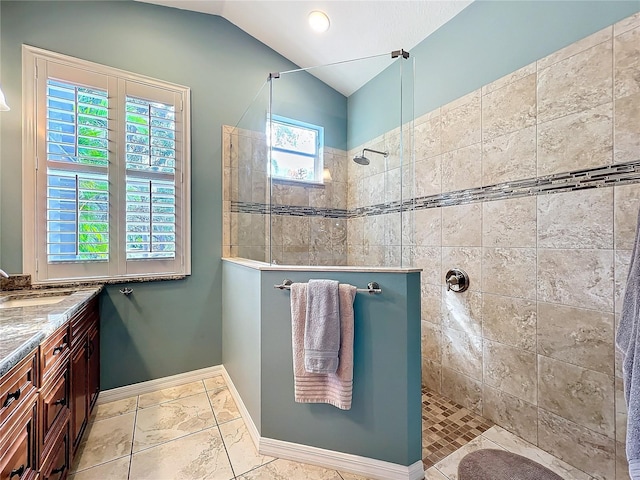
23 328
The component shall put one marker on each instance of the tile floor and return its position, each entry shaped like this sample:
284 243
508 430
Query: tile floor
195 431
190 432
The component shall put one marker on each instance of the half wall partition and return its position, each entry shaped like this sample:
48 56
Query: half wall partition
302 201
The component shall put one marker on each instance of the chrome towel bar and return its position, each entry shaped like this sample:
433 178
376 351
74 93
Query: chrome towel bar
372 287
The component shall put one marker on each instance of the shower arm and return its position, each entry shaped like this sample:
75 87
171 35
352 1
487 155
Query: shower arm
384 154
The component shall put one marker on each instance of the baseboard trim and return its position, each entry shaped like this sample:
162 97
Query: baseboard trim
248 421
149 386
345 462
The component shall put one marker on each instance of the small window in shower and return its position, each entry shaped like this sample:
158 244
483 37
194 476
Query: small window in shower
296 150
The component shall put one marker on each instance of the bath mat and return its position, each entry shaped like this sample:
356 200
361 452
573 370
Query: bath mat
490 464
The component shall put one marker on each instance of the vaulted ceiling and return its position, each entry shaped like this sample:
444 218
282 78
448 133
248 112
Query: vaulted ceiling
359 28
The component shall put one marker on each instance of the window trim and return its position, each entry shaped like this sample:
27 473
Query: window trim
30 220
318 163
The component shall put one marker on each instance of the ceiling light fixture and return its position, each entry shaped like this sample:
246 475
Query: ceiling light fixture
319 21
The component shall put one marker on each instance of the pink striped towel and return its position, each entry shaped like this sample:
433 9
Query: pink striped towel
333 388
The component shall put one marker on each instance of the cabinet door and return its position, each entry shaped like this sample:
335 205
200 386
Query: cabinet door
94 365
54 407
79 400
19 453
56 466
53 352
16 386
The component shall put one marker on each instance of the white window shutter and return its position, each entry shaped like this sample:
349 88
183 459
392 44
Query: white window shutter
105 159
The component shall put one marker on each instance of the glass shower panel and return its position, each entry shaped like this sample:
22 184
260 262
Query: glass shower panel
308 170
408 161
348 201
246 186
316 176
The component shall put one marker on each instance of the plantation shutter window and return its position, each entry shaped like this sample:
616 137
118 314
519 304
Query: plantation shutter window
106 161
152 177
77 197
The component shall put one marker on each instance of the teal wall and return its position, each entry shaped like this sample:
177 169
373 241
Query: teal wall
484 42
293 97
164 328
241 329
385 418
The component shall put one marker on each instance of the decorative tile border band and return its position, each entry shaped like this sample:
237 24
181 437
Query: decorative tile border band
290 210
606 176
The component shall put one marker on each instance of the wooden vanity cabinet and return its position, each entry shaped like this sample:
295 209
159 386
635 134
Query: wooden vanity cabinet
46 400
19 420
85 368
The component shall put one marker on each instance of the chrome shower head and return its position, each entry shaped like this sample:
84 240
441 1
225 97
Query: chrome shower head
362 160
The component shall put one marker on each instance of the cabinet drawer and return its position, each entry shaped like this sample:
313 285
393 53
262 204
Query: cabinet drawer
17 385
53 351
19 448
56 465
81 321
54 406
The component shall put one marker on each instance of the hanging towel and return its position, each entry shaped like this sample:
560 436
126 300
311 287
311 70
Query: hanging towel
628 341
333 388
322 327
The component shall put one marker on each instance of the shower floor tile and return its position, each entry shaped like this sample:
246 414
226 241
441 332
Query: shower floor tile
447 426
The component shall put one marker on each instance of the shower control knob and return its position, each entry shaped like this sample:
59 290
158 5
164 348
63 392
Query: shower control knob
457 280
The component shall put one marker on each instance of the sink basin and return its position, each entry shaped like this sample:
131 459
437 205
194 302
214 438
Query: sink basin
32 301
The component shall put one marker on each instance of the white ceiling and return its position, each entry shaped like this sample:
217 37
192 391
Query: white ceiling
359 28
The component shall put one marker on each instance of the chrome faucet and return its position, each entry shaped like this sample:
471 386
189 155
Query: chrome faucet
3 274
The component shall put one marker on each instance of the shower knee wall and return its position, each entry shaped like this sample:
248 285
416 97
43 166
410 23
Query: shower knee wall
384 422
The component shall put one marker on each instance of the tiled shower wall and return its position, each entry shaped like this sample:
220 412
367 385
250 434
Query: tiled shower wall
310 228
310 239
244 154
530 345
376 238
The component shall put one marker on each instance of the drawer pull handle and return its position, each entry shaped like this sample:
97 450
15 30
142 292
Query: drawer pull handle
58 349
58 470
17 471
62 401
11 397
